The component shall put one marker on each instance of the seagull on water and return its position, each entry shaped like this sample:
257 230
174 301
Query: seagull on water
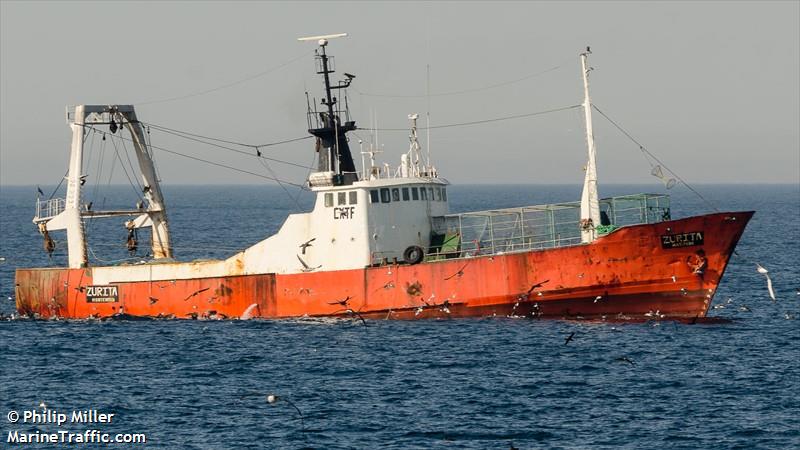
765 272
272 399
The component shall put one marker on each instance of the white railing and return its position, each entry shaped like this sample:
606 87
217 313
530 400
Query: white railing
537 227
47 209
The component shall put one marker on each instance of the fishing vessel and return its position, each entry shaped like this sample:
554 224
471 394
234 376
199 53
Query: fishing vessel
380 243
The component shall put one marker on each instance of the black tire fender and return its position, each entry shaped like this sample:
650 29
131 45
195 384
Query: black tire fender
413 255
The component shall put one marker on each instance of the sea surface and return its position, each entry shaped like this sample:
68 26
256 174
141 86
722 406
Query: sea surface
485 383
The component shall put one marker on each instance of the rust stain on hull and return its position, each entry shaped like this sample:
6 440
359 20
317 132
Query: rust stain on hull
630 272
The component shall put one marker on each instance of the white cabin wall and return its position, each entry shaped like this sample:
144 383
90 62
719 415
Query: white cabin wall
278 252
395 226
340 231
339 234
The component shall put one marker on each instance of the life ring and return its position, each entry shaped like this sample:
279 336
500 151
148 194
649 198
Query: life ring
413 255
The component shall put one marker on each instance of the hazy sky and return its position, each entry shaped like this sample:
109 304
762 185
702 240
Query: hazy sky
712 88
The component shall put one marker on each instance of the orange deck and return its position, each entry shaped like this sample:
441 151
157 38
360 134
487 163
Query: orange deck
625 274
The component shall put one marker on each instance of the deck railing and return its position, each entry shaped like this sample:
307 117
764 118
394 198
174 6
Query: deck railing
536 227
47 209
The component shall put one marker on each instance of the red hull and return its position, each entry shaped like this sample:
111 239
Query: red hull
626 274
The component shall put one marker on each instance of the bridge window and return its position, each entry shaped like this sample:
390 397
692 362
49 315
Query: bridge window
444 194
395 194
414 193
385 195
405 194
342 199
328 200
438 192
423 193
430 194
373 196
353 197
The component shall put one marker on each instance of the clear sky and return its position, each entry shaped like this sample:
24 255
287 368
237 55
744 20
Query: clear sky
711 88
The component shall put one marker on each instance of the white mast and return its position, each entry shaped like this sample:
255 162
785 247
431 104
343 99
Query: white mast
412 161
76 244
71 217
590 204
428 116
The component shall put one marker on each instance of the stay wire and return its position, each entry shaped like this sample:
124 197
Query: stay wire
269 169
100 164
59 185
121 163
228 85
212 163
181 132
300 191
178 134
130 164
463 91
478 122
647 152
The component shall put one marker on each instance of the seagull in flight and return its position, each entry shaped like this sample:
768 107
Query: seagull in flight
342 302
307 244
355 315
306 267
569 338
765 272
537 285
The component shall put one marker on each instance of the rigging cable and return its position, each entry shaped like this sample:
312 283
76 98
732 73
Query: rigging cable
211 163
647 153
269 144
257 155
130 163
464 91
261 159
100 161
300 191
87 162
225 86
59 184
478 122
121 163
53 194
269 169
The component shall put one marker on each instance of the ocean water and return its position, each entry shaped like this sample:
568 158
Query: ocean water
476 383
